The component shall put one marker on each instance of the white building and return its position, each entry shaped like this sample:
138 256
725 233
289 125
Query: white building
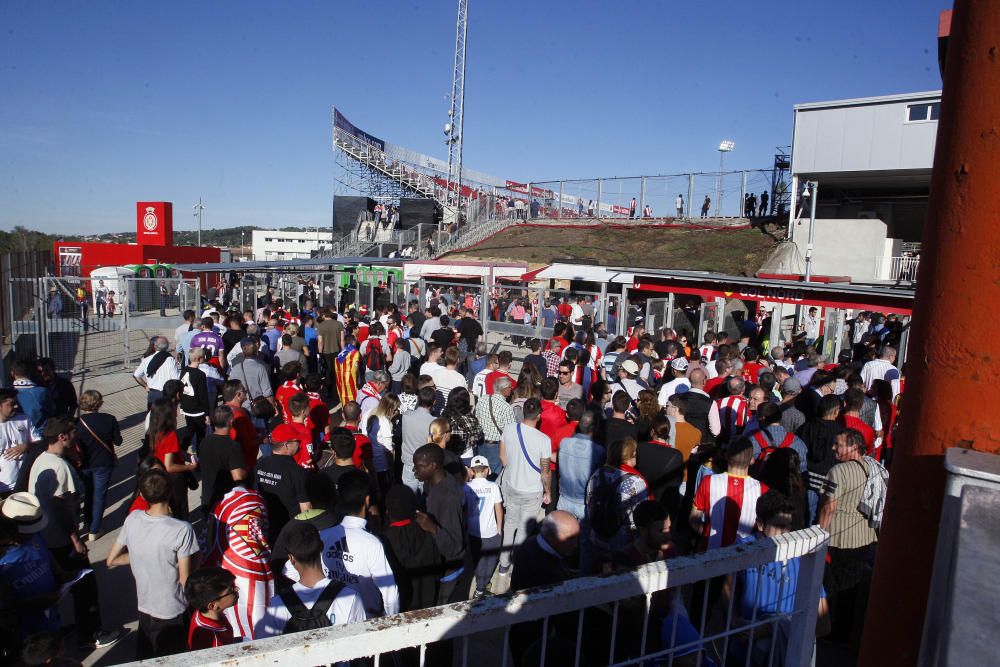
271 244
872 160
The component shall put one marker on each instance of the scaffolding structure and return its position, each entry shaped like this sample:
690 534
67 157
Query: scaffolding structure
358 175
781 192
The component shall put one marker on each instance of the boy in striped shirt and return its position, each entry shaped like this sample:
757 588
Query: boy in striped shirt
210 592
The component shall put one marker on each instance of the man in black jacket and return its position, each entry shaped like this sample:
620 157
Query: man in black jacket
445 519
194 400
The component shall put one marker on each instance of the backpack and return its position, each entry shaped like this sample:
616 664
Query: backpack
308 619
767 447
375 355
605 519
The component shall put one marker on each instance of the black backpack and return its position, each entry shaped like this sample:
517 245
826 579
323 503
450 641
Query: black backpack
308 619
605 520
375 355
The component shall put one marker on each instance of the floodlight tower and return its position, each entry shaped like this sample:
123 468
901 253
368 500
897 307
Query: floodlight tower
724 147
456 114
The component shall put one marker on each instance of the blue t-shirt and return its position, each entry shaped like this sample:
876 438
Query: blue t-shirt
28 569
312 339
776 581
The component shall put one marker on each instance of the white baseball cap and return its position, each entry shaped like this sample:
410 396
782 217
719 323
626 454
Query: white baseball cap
479 462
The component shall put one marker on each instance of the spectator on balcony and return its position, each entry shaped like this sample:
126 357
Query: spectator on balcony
705 206
679 205
631 208
535 208
647 212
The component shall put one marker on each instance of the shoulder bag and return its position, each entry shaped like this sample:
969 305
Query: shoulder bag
100 440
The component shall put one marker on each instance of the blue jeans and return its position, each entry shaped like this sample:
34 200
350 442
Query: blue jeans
96 482
491 450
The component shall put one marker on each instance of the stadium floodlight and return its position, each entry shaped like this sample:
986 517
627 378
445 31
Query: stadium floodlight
725 146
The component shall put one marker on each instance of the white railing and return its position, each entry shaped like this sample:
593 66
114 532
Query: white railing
902 268
602 595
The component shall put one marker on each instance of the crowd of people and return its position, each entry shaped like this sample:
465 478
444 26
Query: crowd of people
303 467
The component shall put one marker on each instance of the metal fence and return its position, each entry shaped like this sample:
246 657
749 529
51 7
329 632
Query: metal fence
616 619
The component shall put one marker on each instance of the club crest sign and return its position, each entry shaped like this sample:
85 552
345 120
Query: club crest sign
149 220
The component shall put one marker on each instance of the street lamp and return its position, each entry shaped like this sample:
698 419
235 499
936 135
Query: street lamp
243 251
198 208
724 147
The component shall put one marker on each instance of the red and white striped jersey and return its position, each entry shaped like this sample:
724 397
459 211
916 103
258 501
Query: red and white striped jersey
734 412
730 506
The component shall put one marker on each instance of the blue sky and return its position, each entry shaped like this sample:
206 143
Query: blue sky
103 104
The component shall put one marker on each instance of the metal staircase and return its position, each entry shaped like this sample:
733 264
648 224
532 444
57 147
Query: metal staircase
371 157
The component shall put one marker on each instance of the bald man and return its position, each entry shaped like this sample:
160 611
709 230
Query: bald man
703 412
540 562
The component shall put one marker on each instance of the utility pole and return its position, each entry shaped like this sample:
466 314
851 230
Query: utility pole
198 208
954 372
456 114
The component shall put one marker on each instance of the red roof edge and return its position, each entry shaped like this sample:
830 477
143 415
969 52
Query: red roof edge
798 277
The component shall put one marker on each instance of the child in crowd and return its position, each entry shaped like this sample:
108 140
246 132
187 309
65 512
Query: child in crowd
210 592
485 518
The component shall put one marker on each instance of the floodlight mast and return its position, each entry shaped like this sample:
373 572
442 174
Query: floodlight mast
725 146
456 114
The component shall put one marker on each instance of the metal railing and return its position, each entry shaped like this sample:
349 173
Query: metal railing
901 268
489 622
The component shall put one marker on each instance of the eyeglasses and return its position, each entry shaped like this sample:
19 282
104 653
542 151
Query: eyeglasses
564 372
235 592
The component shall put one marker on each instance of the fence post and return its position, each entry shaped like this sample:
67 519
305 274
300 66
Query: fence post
527 210
669 319
802 638
560 203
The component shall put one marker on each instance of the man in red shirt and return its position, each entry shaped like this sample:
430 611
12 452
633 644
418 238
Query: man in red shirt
351 416
242 430
637 332
553 417
725 504
850 417
565 309
290 386
713 385
574 410
504 360
751 367
298 408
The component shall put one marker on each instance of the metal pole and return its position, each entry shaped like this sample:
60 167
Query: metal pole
793 204
527 211
559 208
718 184
622 315
813 191
743 191
669 319
690 199
957 265
642 195
598 211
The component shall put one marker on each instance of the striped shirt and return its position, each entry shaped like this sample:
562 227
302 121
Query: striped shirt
204 632
730 506
881 369
849 529
734 411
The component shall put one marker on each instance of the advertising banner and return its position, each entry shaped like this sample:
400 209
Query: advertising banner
154 223
514 186
339 121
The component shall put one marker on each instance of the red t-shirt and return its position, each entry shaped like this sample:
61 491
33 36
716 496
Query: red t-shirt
304 455
283 395
853 422
361 334
632 345
319 416
565 310
362 448
560 434
168 444
138 505
494 376
245 433
204 632
750 371
553 418
710 385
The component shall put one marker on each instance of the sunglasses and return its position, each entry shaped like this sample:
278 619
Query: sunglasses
564 372
235 592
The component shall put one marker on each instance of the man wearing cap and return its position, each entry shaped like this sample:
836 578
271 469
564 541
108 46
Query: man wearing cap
15 434
156 369
679 384
628 380
26 564
55 484
281 480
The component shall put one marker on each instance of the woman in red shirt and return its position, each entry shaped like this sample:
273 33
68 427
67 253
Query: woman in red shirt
167 448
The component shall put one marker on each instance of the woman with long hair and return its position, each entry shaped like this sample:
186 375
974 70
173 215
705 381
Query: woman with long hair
145 465
529 385
166 447
379 430
613 492
408 393
649 410
466 432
